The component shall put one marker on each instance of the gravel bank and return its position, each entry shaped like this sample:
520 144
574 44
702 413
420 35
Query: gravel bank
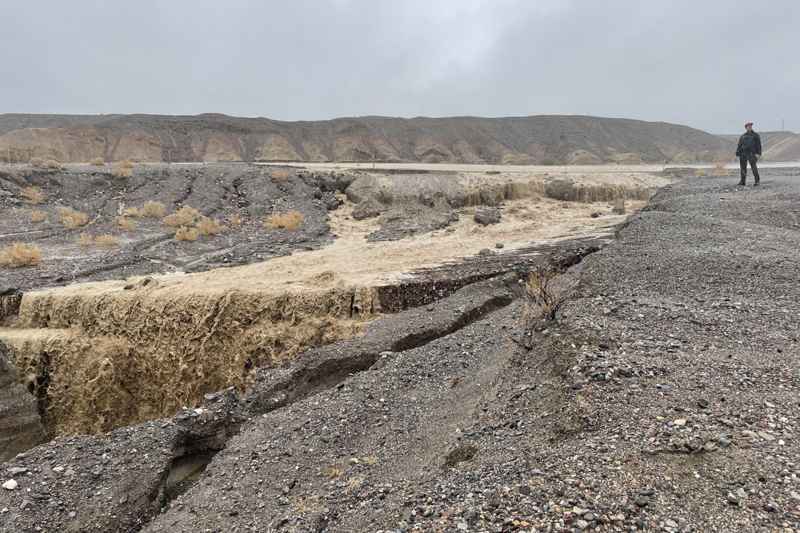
665 399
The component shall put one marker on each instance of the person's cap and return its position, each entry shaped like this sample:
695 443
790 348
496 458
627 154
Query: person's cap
748 124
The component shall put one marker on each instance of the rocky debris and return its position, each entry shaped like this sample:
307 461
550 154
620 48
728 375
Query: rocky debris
118 481
222 191
402 221
10 300
20 423
487 216
560 189
100 483
407 204
425 189
408 422
459 454
322 367
369 208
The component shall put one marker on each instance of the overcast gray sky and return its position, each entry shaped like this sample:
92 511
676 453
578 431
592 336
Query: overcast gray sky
706 63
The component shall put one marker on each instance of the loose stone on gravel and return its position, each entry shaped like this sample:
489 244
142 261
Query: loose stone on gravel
487 216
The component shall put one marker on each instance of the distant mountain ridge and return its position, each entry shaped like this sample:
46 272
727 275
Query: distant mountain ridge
543 139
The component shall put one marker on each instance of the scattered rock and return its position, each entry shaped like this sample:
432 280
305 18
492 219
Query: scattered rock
459 454
367 209
487 216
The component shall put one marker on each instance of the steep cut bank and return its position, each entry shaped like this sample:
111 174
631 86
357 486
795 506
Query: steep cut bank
544 139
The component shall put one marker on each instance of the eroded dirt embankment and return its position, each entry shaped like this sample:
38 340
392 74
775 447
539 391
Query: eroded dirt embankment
125 357
111 353
178 449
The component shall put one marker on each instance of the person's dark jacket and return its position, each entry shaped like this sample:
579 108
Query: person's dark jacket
749 144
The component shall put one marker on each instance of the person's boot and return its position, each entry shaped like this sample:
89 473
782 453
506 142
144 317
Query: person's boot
741 183
756 183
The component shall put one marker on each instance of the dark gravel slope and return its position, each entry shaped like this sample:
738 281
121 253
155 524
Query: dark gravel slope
220 191
665 399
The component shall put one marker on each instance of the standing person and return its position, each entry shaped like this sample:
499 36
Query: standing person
749 150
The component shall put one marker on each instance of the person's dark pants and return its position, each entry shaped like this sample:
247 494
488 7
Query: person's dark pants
743 160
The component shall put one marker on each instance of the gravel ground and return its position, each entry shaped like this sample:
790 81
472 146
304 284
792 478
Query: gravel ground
222 191
665 398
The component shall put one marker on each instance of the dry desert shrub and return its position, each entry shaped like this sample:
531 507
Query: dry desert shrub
153 209
235 221
208 226
37 162
19 254
106 241
719 169
619 206
333 472
543 298
291 220
123 169
38 216
122 172
185 216
85 240
280 175
185 233
33 195
125 223
52 164
71 218
133 212
97 162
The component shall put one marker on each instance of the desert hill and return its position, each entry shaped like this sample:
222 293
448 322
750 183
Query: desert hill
545 139
777 145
